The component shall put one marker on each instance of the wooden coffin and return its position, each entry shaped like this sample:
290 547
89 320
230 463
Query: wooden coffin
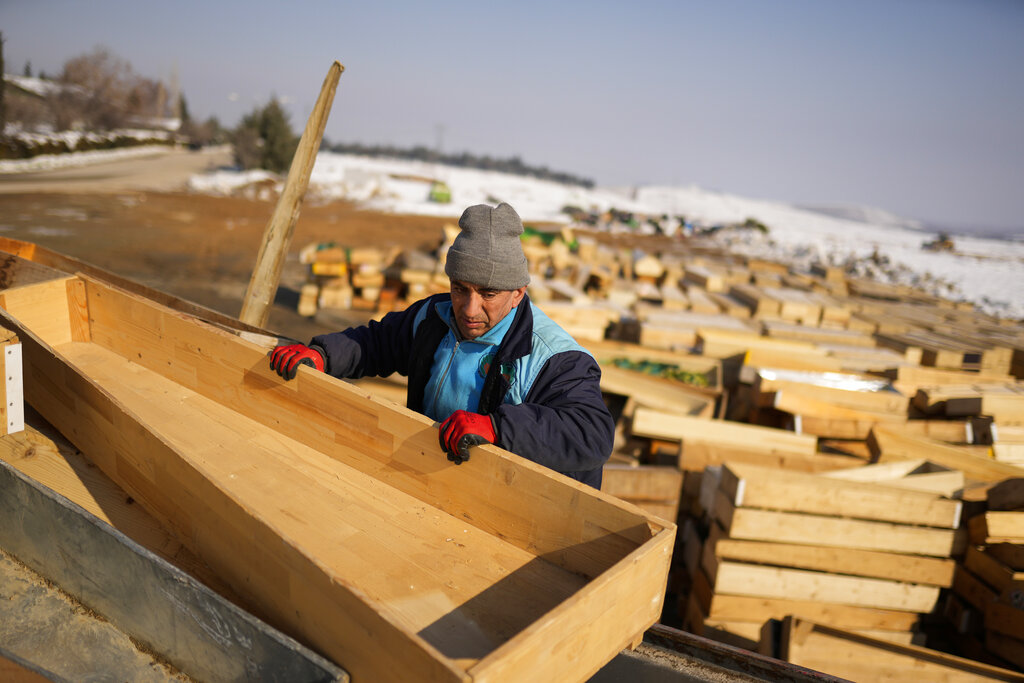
333 513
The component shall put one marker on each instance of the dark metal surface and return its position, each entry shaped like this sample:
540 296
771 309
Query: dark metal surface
175 617
667 655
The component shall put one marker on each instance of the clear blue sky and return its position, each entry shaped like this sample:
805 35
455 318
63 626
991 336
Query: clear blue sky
914 106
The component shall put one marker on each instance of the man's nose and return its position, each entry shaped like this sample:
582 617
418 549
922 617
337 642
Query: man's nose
473 304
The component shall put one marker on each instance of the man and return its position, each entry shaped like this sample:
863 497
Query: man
482 360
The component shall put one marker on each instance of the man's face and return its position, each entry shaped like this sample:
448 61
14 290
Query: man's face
478 309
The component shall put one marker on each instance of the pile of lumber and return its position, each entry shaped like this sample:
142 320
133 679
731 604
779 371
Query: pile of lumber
823 443
369 279
987 602
870 557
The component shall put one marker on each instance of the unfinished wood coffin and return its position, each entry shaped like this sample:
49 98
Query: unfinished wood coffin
335 513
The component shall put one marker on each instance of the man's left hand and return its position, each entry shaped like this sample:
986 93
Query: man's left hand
462 430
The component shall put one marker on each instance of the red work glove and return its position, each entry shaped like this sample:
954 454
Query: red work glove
462 430
285 360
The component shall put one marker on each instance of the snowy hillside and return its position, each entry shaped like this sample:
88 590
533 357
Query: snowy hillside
870 242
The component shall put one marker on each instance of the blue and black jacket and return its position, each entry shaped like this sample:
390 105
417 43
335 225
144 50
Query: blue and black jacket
541 389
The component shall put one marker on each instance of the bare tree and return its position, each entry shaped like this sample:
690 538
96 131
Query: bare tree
101 92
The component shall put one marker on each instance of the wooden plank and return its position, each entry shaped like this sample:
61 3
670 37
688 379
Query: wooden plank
660 425
913 475
909 378
656 489
759 609
794 527
762 487
656 392
758 300
818 335
973 590
701 301
989 569
43 306
998 526
360 466
736 578
721 342
706 372
1010 554
1005 619
707 277
880 565
729 305
697 456
862 658
40 452
1012 453
830 389
880 472
1007 647
1002 401
795 305
889 444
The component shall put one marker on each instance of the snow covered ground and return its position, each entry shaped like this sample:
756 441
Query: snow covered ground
987 272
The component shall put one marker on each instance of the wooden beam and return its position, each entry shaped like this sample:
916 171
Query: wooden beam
278 234
760 609
997 527
862 658
888 444
736 578
695 456
793 527
660 425
880 565
658 393
992 571
912 475
767 488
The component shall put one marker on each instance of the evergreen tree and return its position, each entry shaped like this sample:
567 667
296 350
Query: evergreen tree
264 139
28 69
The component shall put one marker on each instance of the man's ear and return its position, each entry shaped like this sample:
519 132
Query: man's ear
517 296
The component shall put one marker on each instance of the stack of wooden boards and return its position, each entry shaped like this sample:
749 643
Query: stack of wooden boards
987 602
907 408
902 406
367 278
866 556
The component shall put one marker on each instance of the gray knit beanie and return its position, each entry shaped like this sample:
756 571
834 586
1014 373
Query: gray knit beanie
488 253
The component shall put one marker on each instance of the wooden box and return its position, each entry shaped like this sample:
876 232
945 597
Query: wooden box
333 513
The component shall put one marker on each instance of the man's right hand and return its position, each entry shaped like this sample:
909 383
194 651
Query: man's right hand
285 360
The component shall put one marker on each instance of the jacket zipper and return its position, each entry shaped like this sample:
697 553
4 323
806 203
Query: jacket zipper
451 359
440 382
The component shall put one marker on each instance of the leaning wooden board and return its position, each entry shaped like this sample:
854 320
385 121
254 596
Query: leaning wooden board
333 512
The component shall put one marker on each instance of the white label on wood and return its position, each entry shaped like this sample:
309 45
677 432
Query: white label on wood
15 388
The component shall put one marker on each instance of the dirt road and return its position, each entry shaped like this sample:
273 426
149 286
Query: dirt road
158 171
